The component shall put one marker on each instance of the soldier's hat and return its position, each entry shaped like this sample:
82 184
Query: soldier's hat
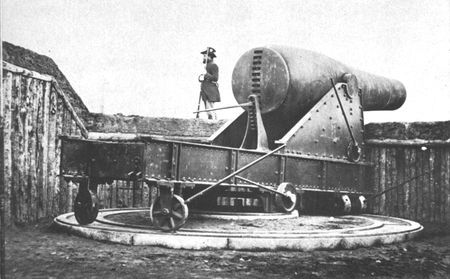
211 52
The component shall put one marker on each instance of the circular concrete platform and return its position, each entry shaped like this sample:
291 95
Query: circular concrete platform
249 232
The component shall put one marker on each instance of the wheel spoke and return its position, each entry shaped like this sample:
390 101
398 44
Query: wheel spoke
177 215
172 223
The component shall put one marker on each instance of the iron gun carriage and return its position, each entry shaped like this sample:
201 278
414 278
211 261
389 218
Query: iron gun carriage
298 144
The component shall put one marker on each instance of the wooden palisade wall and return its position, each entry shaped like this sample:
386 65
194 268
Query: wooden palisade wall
424 166
35 113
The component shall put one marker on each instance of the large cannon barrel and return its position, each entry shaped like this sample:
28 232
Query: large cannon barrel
291 81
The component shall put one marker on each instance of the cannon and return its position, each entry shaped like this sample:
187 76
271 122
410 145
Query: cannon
289 82
298 144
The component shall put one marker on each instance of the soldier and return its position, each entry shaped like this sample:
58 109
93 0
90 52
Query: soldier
209 90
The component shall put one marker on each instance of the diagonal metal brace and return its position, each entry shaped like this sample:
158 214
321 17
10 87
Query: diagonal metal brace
262 186
343 112
236 172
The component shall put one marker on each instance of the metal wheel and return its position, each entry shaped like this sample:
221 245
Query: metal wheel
363 203
288 203
342 205
86 207
169 218
359 204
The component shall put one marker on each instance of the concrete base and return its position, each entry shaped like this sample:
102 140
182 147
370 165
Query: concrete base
356 231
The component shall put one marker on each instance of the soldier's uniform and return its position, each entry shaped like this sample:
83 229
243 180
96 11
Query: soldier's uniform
209 89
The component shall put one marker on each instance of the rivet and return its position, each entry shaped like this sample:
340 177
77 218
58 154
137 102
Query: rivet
331 117
337 106
323 129
301 127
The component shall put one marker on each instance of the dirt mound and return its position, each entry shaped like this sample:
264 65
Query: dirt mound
42 64
403 131
164 126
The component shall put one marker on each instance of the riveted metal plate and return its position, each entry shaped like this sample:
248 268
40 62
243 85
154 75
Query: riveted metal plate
203 163
323 132
115 160
265 172
158 159
343 176
302 171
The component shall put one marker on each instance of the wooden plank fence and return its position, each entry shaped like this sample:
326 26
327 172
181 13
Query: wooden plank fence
421 169
35 112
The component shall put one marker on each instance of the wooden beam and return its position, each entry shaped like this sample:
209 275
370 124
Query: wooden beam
25 72
84 131
410 142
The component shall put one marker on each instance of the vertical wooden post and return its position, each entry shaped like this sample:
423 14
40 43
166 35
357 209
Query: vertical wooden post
31 148
447 185
44 162
406 175
2 179
7 83
413 189
63 187
51 167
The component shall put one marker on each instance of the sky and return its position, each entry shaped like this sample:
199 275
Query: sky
143 57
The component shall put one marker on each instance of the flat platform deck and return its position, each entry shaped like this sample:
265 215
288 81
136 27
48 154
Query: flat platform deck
246 231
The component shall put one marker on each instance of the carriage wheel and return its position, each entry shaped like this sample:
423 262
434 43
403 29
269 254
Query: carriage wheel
169 219
359 204
342 205
86 207
286 203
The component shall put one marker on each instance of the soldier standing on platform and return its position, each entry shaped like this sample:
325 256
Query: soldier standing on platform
209 90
